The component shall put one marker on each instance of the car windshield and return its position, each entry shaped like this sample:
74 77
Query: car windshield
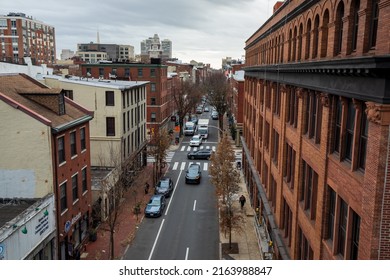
195 138
154 201
193 169
163 184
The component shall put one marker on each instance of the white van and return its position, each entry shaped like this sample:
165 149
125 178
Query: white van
189 128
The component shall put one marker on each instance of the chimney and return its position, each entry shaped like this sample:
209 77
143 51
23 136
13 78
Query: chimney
278 5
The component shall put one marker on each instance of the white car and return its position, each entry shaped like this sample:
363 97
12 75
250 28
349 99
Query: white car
196 140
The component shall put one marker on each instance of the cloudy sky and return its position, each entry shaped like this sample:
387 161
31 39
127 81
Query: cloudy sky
202 30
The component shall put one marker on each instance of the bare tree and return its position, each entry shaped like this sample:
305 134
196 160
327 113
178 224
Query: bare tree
218 90
185 97
113 187
158 146
226 178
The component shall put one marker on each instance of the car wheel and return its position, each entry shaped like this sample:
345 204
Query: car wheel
208 158
192 157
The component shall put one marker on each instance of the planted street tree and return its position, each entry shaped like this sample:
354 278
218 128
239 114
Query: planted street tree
218 89
158 147
226 180
185 97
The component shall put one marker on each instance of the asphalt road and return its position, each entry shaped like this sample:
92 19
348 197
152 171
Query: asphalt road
188 229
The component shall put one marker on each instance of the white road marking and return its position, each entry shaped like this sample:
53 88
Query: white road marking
175 165
194 207
183 165
182 148
187 252
173 193
155 241
205 166
189 148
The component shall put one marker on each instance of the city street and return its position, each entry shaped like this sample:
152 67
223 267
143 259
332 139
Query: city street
188 229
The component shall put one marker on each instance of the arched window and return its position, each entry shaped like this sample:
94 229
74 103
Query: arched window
282 48
339 29
289 45
300 42
315 36
324 38
355 6
294 50
308 39
374 23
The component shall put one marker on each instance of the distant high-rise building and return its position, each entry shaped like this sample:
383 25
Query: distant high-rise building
153 48
66 54
113 52
22 36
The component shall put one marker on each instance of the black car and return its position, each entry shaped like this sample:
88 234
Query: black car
164 186
200 154
156 206
193 174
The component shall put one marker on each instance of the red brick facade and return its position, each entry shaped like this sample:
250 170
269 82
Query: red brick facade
316 126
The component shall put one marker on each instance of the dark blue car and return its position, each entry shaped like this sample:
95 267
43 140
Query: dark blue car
156 206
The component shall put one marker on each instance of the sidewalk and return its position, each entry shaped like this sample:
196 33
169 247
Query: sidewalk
248 246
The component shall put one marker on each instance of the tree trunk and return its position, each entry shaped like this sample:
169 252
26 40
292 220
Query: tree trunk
112 251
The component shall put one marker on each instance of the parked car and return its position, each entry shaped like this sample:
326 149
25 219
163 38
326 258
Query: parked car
196 140
193 174
200 154
194 119
214 115
199 110
156 206
206 109
164 186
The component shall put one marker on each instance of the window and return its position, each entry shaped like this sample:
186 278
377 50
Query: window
140 72
101 72
292 109
127 73
355 24
152 87
273 191
82 139
124 122
350 126
75 188
331 205
61 149
286 222
289 166
339 28
337 127
153 117
355 236
110 98
374 23
84 186
73 146
266 136
308 39
63 198
110 126
363 140
309 190
152 72
275 146
313 114
68 93
153 101
276 104
305 252
342 227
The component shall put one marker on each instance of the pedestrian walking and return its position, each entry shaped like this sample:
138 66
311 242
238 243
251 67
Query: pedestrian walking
242 201
146 187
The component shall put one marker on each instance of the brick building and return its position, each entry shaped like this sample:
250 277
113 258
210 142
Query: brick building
159 101
316 126
46 150
22 36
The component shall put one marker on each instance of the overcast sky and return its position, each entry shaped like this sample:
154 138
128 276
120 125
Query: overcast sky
202 30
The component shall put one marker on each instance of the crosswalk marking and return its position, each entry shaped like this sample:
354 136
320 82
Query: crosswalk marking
182 148
189 148
205 166
183 165
175 166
